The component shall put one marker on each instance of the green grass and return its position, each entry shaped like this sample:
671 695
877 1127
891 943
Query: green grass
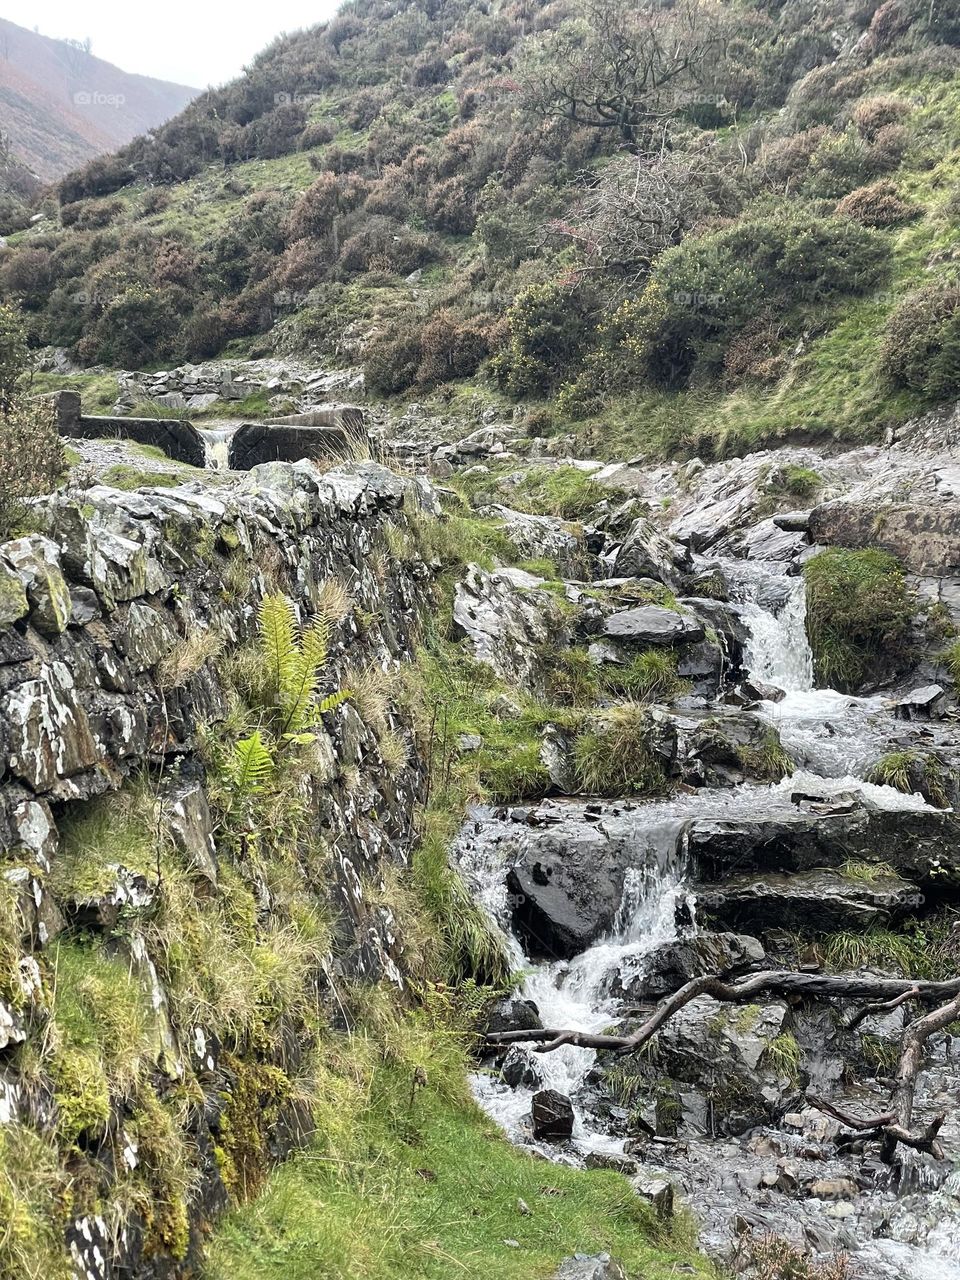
859 613
565 492
650 676
98 391
426 1187
921 949
614 754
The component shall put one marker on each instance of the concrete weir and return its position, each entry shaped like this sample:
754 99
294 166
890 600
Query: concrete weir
326 432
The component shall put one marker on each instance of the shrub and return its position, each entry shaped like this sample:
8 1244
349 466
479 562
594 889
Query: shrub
31 460
878 205
451 207
13 354
391 361
920 348
546 328
710 287
870 115
388 246
317 133
859 615
328 198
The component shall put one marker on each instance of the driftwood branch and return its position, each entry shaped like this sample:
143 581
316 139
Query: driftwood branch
885 994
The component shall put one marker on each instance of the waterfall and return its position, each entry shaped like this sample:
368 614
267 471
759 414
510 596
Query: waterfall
216 446
777 650
579 993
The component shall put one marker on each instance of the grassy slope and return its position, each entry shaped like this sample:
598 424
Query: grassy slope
429 1188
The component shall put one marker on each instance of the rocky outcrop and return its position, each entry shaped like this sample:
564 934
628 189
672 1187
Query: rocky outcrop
120 624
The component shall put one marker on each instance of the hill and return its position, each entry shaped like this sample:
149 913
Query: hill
60 106
684 229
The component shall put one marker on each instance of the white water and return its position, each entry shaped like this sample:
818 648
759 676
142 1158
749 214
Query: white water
834 738
834 734
216 446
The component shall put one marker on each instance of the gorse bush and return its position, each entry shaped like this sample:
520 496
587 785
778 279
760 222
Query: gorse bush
921 342
859 616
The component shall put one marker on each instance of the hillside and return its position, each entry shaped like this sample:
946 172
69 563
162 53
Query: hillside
672 231
60 106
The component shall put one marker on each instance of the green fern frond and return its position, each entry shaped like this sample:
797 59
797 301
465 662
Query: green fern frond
251 766
333 700
278 641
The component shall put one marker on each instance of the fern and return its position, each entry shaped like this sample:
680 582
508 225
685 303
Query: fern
251 766
294 660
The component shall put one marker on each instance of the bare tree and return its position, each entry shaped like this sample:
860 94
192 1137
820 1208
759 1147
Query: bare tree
628 68
638 207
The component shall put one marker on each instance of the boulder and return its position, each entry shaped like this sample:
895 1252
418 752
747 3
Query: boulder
512 1013
824 900
646 552
652 625
928 703
36 562
507 621
552 1115
542 537
658 1192
675 963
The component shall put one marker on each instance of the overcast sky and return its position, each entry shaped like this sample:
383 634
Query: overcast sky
193 42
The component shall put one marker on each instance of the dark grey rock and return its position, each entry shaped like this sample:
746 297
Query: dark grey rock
651 625
552 1116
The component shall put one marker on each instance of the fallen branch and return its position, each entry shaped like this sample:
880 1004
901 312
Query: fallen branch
783 982
892 1127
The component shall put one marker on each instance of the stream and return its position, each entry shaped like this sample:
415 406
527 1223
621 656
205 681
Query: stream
833 738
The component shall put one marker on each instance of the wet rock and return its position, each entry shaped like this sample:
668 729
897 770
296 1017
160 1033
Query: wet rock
566 889
520 1069
512 1013
187 819
552 1116
758 691
928 703
652 625
675 963
48 729
777 901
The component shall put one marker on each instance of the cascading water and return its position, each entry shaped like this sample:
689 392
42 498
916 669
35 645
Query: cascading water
216 445
834 735
834 738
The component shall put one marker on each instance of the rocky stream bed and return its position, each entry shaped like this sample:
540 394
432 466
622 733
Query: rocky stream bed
607 904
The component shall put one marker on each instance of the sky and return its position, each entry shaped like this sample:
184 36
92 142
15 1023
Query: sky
192 42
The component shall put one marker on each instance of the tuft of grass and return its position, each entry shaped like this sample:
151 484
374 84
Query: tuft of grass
33 1206
793 481
650 676
912 772
769 760
951 660
859 614
187 657
866 872
565 492
615 756
782 1056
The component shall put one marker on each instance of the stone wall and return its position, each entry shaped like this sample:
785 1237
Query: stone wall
117 624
